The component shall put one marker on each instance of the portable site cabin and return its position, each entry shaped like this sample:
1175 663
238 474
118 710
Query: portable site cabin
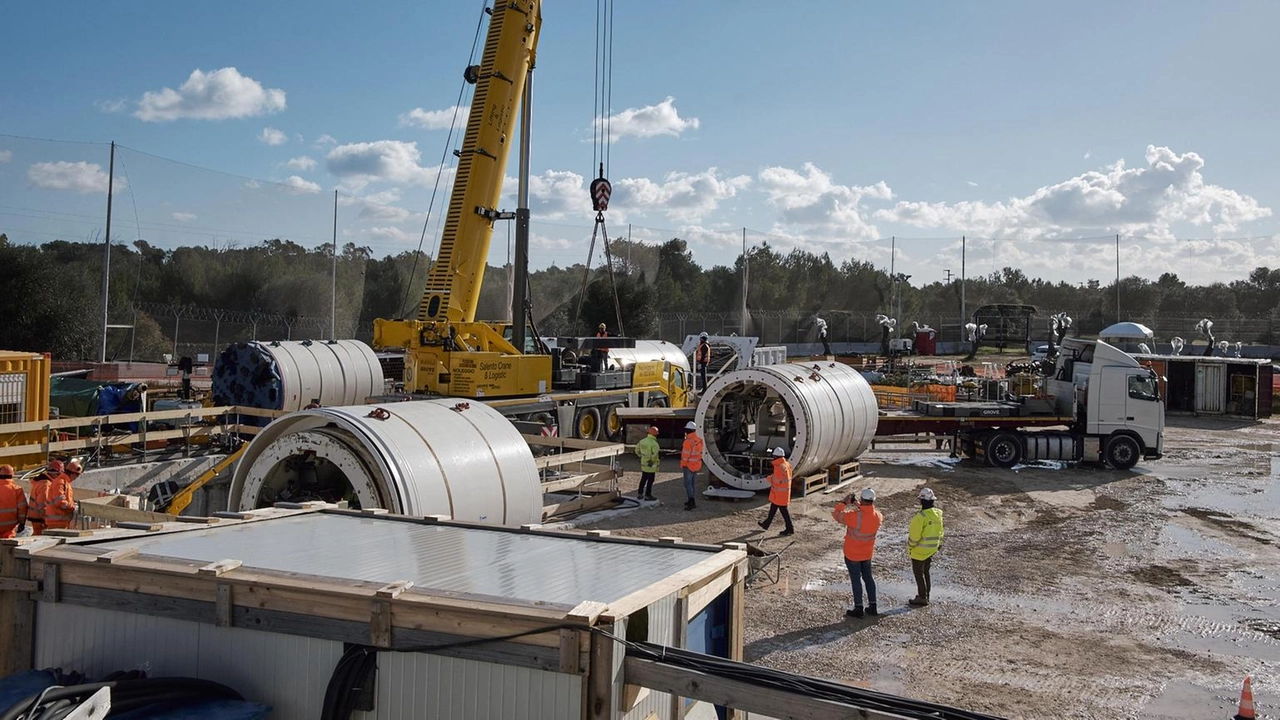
1213 385
468 621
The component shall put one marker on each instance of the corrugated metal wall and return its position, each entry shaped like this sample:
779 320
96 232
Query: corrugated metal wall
662 624
290 672
414 685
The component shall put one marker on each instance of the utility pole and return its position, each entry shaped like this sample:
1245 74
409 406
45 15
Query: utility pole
1118 318
333 304
948 272
745 276
893 257
963 319
106 253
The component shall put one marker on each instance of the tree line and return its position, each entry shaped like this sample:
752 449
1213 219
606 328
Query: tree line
52 298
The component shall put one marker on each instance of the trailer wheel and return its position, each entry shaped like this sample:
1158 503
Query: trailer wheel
613 426
1003 450
588 423
1122 452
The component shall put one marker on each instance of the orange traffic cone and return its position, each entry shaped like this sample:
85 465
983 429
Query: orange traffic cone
1246 701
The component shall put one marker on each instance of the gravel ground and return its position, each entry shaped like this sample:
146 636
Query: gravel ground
1060 592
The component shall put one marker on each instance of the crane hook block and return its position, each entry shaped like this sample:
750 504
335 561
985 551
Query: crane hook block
600 192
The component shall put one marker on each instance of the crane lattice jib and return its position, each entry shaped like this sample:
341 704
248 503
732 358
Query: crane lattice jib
453 283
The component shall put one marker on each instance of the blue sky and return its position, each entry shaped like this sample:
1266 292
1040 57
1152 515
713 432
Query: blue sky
824 126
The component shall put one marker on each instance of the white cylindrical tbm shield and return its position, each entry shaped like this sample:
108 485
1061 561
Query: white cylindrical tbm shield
822 413
289 374
427 457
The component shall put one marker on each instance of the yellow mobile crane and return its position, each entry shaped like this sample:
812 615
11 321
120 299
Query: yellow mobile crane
446 351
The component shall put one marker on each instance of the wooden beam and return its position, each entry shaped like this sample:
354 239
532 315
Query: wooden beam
773 703
103 508
219 568
584 503
601 703
546 461
645 597
17 616
703 596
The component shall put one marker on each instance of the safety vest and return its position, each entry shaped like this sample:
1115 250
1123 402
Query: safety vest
648 451
60 504
780 482
704 353
13 508
38 499
691 452
925 535
861 522
603 350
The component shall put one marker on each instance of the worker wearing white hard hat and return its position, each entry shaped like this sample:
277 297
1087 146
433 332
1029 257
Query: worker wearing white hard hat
861 520
779 492
702 358
648 451
924 540
691 461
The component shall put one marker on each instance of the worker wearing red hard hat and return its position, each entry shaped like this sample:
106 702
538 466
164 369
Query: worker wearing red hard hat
647 449
13 504
59 504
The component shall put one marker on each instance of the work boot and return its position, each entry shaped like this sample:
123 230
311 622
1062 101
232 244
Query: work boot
855 612
762 525
690 505
871 610
650 498
917 601
788 531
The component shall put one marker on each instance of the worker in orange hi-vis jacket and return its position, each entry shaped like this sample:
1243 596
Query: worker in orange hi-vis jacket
691 461
13 504
779 492
861 521
59 503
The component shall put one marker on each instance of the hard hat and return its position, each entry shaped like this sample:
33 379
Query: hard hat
690 426
6 471
55 466
601 327
703 336
927 494
653 430
75 467
868 494
779 451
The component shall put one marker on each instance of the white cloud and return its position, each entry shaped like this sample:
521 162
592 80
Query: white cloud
302 162
6 156
252 184
435 119
272 136
182 217
681 196
1088 154
810 201
81 177
648 121
1148 201
390 233
554 194
112 106
970 183
216 95
323 140
384 160
295 185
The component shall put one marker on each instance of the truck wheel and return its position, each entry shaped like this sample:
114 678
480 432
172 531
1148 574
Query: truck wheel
588 423
1003 450
1122 452
613 426
657 402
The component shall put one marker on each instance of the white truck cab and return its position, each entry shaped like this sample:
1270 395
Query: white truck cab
1114 399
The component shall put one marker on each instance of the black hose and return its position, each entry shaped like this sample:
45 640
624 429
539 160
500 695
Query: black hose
125 694
352 678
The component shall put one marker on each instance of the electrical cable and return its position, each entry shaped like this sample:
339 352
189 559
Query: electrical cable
125 694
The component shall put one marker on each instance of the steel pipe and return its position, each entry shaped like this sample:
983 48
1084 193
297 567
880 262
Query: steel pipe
822 413
289 374
428 457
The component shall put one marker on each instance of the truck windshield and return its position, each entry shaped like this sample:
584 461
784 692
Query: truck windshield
1143 387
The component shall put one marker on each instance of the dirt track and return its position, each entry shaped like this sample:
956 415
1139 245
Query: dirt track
1060 592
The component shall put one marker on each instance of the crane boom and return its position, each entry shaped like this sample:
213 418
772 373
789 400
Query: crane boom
453 283
447 351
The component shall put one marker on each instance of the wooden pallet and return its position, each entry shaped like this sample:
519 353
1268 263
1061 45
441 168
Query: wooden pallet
835 475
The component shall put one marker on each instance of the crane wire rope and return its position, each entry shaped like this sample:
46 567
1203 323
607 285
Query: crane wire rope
444 155
601 124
